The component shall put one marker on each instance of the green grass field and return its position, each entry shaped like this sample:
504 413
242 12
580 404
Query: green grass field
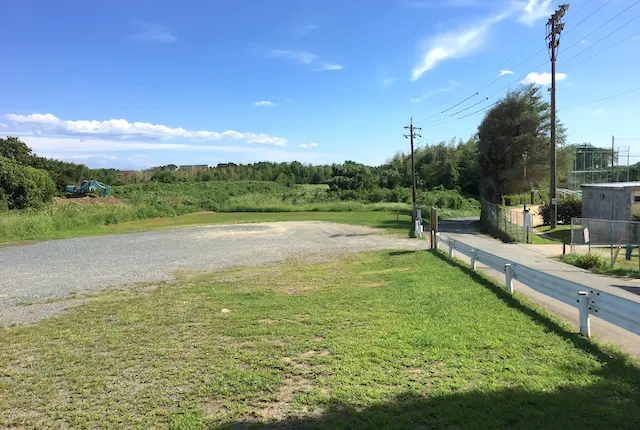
146 206
378 340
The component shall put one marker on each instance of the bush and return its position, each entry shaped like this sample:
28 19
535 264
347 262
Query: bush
567 209
593 262
24 187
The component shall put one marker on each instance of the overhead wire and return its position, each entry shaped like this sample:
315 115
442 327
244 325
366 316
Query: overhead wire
448 109
607 49
603 38
600 100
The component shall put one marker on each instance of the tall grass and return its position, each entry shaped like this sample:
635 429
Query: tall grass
154 200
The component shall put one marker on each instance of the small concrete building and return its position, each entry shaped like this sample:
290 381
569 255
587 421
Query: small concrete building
610 200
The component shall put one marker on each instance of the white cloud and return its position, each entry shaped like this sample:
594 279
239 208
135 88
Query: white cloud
535 10
301 57
308 145
263 103
153 33
454 44
120 128
305 29
329 67
583 41
415 100
2 125
506 72
542 78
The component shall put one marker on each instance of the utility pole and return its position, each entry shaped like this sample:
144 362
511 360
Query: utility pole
613 156
554 28
524 158
411 136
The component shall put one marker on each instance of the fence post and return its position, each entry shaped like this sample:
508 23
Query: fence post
583 307
450 248
473 260
573 250
611 243
508 271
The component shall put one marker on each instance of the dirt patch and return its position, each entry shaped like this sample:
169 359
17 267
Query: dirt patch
281 407
268 321
318 339
88 201
376 284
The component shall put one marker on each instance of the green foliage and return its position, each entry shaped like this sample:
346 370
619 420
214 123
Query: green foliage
518 125
567 209
593 262
523 198
351 176
23 186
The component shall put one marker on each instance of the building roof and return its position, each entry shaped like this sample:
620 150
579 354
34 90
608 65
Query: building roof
613 185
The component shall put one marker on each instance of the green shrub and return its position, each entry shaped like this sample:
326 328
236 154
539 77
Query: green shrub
24 187
567 209
593 262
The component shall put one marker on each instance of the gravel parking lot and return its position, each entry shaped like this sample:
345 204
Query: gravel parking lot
43 279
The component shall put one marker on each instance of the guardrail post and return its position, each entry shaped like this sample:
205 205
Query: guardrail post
473 260
508 271
450 248
583 307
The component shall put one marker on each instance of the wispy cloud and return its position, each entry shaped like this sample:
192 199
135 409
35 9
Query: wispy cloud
535 10
3 125
440 4
263 103
583 41
304 29
301 57
542 78
308 145
454 44
506 72
48 124
431 94
329 67
148 33
468 40
304 57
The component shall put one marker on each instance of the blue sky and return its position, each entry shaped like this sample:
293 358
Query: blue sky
137 83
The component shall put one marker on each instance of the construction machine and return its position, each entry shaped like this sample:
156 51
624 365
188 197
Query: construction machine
88 188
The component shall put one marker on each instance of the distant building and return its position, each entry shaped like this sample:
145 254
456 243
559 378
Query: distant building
613 200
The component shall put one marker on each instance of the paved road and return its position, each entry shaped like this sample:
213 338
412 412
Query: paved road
62 268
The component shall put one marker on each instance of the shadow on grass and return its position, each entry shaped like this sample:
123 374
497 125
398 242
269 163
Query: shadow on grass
612 402
607 405
613 358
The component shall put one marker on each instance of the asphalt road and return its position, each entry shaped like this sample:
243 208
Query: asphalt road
33 278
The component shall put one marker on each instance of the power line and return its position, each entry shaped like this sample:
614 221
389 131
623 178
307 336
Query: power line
590 15
448 109
479 110
600 100
467 108
602 25
605 37
606 49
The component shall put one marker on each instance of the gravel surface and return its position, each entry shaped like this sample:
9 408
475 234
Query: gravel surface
58 271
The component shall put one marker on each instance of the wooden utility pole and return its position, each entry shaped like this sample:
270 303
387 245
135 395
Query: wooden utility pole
554 28
411 136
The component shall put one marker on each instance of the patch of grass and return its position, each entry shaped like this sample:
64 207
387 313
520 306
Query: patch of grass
379 215
378 340
601 264
557 233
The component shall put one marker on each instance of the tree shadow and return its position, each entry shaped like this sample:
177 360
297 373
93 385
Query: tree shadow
549 323
607 405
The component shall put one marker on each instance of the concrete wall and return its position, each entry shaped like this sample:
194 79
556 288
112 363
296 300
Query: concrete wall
602 203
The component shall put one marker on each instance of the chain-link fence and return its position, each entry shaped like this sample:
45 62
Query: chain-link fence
608 238
515 224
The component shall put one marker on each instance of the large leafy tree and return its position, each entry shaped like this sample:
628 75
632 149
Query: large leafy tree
518 126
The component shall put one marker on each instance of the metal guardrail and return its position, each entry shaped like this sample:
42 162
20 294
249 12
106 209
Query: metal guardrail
617 310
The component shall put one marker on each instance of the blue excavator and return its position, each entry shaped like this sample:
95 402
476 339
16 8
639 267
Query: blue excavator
88 188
